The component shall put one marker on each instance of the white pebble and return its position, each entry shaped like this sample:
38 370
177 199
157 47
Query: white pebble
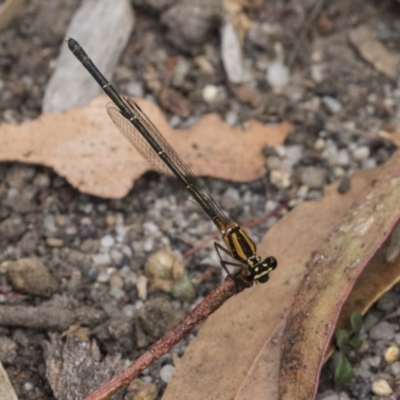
103 277
331 104
28 386
294 154
231 118
107 241
210 93
101 259
361 153
381 388
166 372
281 178
134 89
231 53
150 228
343 157
278 75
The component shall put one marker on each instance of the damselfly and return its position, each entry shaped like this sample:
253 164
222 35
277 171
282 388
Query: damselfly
142 133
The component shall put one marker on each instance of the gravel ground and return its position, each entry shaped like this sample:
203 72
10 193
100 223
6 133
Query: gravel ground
299 69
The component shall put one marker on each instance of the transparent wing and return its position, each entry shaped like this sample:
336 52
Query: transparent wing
150 146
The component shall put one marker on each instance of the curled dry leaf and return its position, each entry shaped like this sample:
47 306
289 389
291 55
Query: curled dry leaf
85 147
232 354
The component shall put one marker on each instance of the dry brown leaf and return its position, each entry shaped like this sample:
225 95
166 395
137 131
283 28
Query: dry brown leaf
85 147
236 354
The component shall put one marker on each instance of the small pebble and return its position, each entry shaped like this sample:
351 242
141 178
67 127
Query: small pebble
361 153
231 118
103 277
382 331
281 178
107 241
210 93
134 89
116 281
382 388
150 228
344 396
343 158
332 105
328 395
278 75
28 386
395 368
116 256
319 144
116 293
49 224
313 177
101 259
86 208
54 242
166 372
391 354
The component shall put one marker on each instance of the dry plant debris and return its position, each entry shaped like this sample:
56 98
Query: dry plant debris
85 147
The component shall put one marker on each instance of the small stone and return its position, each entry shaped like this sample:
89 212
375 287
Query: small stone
390 300
332 105
134 89
18 175
381 388
294 154
166 372
395 369
117 293
139 389
328 395
278 75
8 350
42 181
116 281
28 386
90 246
343 158
343 396
231 53
210 93
361 153
107 241
103 277
382 331
313 177
231 118
54 242
49 224
150 228
31 276
281 178
116 256
391 354
101 259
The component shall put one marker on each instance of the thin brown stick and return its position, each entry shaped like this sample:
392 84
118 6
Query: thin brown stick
210 304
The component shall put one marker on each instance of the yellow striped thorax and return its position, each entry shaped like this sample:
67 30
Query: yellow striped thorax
243 249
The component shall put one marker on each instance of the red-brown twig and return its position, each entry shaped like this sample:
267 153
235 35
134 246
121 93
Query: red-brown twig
209 305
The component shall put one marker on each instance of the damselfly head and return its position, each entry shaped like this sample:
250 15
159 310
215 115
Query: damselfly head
261 271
